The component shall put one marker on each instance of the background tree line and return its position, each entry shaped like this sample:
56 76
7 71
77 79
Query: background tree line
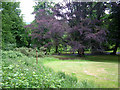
78 26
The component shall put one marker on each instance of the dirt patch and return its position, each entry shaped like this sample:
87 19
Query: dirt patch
92 74
102 70
88 73
68 58
109 79
71 62
65 58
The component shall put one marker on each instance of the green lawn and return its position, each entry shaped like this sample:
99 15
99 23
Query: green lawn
101 70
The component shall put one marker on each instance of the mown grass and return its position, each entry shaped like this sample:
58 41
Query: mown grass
100 69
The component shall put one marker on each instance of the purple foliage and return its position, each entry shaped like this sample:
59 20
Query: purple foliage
43 21
82 32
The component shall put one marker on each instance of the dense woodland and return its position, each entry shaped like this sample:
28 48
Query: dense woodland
76 26
72 28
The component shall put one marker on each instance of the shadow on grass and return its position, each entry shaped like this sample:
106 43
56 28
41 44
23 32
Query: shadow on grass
103 58
96 58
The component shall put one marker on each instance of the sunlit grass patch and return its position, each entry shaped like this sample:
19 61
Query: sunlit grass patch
103 70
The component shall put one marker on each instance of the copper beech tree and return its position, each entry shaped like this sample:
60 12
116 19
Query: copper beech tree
86 24
46 30
77 24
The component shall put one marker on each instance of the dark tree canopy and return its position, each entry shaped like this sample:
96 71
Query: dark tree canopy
85 21
81 25
114 26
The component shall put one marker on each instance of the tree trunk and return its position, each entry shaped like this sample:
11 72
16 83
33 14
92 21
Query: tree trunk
79 53
83 52
56 49
49 50
29 44
115 48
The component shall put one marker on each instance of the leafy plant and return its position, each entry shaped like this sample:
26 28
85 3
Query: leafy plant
20 71
30 52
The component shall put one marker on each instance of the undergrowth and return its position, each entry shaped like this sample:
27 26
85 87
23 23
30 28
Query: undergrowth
20 71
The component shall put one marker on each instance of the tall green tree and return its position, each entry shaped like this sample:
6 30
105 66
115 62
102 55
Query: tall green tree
13 32
43 5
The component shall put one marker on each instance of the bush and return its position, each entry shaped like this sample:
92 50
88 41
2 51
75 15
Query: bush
11 54
8 46
30 52
61 74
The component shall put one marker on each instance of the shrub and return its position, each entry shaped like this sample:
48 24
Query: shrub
61 74
30 52
11 54
9 46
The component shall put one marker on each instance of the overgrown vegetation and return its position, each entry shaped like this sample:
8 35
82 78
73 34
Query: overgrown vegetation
30 52
20 71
